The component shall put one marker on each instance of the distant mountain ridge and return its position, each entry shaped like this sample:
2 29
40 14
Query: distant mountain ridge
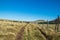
55 20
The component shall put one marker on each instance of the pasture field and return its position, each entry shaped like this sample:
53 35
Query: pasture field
10 30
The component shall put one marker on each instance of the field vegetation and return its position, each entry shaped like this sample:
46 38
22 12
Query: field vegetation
15 30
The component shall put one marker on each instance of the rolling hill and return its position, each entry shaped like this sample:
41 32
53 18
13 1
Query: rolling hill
17 30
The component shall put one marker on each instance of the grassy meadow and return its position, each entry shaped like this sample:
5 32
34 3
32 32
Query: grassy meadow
11 30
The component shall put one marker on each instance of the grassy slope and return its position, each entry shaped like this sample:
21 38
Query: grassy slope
9 31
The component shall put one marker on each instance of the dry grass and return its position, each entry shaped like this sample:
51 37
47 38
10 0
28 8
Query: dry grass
9 31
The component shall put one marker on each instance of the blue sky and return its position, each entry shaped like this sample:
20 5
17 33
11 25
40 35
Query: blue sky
29 10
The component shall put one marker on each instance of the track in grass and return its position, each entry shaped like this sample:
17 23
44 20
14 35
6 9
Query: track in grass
46 35
20 34
33 32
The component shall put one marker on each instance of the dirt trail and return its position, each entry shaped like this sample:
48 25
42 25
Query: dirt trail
28 29
20 34
48 37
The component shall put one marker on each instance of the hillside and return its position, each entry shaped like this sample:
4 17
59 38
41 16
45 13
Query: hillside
55 20
16 30
38 21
